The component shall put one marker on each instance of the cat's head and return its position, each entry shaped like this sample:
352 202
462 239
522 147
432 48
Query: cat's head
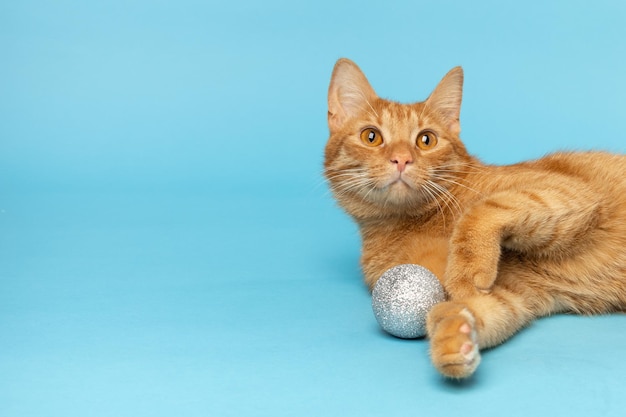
385 158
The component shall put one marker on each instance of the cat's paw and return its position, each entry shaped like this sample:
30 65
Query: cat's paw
453 341
464 281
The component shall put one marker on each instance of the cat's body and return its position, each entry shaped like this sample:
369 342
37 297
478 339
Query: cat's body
509 243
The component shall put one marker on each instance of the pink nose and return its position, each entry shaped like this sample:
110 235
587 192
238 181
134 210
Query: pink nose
401 162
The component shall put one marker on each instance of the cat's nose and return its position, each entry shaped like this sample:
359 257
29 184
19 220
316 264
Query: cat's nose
401 162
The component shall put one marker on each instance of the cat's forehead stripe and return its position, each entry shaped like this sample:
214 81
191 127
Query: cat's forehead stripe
399 119
386 115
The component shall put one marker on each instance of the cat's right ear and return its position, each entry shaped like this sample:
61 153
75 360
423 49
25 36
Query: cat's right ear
349 93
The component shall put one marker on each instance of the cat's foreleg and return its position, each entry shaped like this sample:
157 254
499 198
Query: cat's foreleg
542 222
490 301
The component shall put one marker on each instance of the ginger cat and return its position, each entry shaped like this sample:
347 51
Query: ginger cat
509 243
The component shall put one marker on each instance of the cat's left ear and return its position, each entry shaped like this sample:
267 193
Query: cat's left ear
446 99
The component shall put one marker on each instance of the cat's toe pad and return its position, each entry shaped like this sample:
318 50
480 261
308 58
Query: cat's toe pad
454 347
465 328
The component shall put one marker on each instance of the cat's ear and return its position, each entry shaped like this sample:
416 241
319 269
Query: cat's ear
446 99
349 93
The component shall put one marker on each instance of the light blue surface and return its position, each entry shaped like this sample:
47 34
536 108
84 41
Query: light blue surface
167 244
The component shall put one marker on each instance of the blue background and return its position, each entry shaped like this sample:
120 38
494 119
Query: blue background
167 243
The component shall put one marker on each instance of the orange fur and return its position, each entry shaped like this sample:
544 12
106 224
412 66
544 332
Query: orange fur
509 243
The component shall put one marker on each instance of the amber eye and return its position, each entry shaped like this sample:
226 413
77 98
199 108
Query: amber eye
426 140
371 137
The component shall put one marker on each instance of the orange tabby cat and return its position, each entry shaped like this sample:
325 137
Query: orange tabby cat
509 243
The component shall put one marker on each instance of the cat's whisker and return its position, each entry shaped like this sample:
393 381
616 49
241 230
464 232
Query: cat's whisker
346 174
320 182
448 180
432 195
454 172
372 188
450 176
354 189
354 185
439 198
448 198
462 164
351 179
459 168
325 182
347 188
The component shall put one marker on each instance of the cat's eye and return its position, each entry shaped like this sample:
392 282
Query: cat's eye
426 140
371 137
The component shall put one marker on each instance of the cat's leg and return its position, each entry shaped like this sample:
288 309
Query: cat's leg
458 329
492 296
550 223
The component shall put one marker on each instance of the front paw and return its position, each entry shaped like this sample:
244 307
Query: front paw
463 280
453 340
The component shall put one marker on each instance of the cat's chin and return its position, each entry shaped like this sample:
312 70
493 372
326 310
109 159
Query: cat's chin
399 193
399 188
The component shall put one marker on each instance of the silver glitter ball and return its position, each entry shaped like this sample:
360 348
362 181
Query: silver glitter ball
402 298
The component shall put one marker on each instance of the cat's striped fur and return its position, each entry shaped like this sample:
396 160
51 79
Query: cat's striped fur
509 243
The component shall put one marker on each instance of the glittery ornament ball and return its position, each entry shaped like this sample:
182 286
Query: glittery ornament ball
402 298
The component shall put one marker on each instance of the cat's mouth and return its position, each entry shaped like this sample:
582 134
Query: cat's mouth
398 181
402 189
398 189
